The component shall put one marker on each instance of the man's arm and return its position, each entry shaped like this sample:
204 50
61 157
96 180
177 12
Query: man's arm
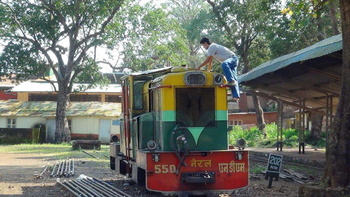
206 61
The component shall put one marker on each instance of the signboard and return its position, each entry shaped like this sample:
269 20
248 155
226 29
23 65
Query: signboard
273 168
115 122
274 163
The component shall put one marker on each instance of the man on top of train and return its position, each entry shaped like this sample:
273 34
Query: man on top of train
229 63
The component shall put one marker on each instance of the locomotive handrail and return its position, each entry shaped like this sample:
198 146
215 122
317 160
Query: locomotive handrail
152 88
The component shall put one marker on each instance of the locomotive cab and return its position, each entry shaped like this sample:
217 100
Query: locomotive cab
174 135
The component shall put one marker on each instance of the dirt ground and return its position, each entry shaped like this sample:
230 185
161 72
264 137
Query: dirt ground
18 175
17 178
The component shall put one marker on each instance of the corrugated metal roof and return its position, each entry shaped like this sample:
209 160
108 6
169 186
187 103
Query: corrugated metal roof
148 72
40 86
321 48
48 109
157 70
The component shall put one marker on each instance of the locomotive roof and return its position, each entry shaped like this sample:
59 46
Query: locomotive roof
149 72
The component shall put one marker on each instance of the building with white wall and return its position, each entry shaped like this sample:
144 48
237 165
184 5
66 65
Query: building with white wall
87 120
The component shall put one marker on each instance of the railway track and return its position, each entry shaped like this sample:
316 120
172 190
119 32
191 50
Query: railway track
91 187
95 154
263 157
287 172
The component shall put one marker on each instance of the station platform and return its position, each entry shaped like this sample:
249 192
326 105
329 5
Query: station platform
312 156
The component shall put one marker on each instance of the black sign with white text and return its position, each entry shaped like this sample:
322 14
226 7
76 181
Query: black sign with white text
274 163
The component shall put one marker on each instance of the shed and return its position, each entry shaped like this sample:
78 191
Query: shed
309 79
87 120
311 76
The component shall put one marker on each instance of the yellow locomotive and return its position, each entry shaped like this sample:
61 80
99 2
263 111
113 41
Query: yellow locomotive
174 133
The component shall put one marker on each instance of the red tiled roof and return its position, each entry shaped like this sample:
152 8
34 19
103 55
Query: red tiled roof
6 96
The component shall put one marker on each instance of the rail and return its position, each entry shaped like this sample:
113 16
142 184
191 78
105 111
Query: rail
91 187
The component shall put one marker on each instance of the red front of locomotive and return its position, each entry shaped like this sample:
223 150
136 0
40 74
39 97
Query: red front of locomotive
214 172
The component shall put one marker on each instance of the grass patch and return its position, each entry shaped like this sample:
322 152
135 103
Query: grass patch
36 148
57 151
257 169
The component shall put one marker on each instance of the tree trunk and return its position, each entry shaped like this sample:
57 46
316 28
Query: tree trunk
320 29
316 122
332 13
259 111
246 62
337 170
62 130
259 115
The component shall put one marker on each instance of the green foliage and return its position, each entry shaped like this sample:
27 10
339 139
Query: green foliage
151 38
243 24
15 135
301 24
57 35
23 60
195 18
316 143
255 138
257 169
91 77
251 136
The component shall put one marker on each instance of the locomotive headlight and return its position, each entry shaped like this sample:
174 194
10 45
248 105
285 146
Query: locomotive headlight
195 78
218 79
151 145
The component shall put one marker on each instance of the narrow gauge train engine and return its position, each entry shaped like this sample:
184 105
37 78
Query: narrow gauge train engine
174 136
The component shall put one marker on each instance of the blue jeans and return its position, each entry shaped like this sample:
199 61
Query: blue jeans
229 67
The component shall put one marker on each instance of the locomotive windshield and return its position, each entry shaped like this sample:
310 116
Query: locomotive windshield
195 107
138 102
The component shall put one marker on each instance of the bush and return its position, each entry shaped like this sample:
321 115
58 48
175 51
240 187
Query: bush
251 136
255 138
15 135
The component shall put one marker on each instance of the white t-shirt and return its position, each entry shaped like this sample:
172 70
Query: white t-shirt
219 52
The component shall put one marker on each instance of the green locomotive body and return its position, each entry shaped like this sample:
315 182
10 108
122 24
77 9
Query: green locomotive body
174 133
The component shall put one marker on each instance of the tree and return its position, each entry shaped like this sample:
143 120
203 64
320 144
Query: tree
242 22
151 38
58 35
337 171
303 23
194 17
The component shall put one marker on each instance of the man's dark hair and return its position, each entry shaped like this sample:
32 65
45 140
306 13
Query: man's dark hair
205 40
